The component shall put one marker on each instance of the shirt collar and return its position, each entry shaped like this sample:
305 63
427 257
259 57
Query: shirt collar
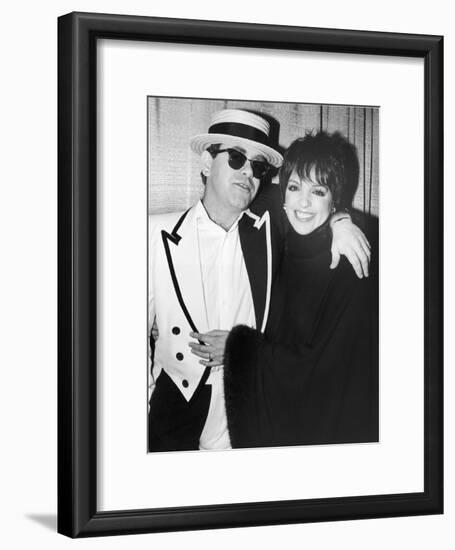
202 217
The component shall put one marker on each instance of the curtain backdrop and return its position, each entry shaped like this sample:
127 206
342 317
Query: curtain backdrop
173 169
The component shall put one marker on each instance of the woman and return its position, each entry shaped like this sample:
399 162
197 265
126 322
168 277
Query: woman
313 377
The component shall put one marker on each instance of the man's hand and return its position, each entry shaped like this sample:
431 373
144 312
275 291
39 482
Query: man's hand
211 350
154 331
348 240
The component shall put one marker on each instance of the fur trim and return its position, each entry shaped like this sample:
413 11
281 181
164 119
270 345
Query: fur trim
240 384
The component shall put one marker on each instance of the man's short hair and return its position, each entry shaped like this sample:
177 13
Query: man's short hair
212 150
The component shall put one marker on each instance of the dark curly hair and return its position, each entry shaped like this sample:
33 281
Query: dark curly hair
322 156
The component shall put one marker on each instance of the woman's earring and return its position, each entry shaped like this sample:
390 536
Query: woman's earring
333 210
284 207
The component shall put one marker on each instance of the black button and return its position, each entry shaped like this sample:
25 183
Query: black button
179 356
175 330
185 383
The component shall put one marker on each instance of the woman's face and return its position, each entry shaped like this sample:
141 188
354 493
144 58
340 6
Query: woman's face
308 204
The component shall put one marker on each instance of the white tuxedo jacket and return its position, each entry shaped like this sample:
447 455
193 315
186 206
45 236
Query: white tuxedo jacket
176 292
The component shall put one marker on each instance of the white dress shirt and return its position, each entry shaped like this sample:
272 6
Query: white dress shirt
228 302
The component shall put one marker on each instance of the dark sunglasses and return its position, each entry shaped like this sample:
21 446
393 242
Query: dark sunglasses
238 160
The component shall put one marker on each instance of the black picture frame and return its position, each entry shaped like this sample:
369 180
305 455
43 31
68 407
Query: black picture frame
77 223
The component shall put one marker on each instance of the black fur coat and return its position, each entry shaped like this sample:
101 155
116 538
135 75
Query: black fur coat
313 377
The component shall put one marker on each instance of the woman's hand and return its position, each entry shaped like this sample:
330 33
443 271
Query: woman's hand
211 350
348 240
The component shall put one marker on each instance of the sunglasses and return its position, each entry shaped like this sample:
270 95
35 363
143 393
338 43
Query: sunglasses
238 160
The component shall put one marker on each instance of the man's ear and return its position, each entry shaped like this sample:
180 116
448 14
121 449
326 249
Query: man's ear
206 163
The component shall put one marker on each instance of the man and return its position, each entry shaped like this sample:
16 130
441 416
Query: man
210 268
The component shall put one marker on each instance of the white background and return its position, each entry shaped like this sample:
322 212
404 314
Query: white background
127 479
28 289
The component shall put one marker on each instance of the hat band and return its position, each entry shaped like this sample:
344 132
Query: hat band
237 129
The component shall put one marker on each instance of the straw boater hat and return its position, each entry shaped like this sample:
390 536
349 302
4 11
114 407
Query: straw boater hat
236 127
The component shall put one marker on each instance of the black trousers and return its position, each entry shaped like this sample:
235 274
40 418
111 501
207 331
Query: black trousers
175 424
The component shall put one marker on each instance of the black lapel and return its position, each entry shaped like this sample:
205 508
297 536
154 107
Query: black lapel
254 247
175 238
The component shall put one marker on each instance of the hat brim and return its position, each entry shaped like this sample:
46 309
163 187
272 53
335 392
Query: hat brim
200 143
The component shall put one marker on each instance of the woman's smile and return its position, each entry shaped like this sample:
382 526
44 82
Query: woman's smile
303 216
308 203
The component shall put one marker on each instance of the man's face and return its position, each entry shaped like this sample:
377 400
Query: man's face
229 188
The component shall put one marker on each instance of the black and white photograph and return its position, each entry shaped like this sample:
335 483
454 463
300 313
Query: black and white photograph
225 238
263 264
249 274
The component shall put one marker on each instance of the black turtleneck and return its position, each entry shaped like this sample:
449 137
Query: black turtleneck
303 281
